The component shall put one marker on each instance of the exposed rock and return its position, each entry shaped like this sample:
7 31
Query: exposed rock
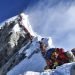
11 42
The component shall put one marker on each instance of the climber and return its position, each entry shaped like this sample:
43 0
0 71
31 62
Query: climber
62 57
71 55
47 57
55 58
49 52
73 51
43 45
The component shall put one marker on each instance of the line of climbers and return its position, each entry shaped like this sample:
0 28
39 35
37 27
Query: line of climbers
54 56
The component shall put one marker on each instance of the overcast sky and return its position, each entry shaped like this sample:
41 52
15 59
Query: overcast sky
55 18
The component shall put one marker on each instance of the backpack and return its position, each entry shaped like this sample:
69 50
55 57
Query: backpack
62 57
49 53
59 50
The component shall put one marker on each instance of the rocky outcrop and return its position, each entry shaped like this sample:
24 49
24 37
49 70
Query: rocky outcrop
11 42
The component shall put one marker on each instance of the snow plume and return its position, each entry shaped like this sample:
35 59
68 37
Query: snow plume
55 18
26 23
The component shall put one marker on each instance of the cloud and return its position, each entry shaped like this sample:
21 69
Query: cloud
55 19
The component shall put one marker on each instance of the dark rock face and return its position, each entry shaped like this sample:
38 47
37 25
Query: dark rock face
10 43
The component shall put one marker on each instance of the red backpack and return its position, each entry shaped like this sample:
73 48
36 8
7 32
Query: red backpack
62 57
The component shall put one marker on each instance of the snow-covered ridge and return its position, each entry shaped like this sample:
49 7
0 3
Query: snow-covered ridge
26 23
66 69
8 20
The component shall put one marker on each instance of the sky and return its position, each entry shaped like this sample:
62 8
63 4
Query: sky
9 8
53 18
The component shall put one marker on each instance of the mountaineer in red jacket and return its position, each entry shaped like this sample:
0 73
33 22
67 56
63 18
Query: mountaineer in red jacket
56 58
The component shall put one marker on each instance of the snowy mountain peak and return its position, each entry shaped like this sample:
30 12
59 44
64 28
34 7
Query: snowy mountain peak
25 22
19 40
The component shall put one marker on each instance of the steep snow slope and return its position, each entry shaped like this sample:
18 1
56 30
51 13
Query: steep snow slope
35 63
66 69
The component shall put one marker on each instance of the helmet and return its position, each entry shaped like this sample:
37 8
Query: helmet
44 41
73 51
